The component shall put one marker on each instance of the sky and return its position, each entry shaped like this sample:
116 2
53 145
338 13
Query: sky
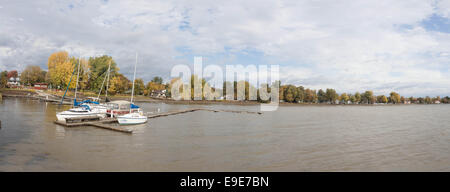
379 45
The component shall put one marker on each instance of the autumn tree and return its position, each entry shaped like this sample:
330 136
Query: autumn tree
368 97
357 97
310 96
119 84
382 99
153 86
344 97
3 79
13 74
60 69
290 93
395 97
331 95
32 74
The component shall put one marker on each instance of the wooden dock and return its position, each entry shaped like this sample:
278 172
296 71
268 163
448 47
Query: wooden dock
95 121
99 123
198 109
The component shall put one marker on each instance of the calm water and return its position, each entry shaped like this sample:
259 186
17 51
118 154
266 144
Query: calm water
294 138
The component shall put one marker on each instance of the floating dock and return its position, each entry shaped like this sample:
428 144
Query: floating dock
96 121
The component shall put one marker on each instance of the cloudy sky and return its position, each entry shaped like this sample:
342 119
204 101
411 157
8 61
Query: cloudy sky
381 45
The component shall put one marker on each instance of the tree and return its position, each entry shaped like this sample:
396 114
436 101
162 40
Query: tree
382 99
353 99
344 97
331 95
157 80
60 68
310 96
368 97
32 74
290 93
119 84
153 86
3 79
13 74
139 86
427 100
321 96
395 97
300 94
357 97
98 67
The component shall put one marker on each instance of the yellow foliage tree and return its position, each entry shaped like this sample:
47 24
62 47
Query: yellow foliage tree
60 68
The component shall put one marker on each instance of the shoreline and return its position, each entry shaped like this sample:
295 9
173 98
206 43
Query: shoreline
31 94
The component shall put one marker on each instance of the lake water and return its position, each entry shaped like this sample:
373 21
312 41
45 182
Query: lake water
293 138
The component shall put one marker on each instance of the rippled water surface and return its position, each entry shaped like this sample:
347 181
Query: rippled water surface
293 138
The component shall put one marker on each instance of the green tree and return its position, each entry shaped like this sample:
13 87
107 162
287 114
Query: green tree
331 95
139 86
157 80
300 94
98 67
321 96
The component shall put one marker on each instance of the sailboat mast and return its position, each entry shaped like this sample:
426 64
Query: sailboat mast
107 81
134 78
78 76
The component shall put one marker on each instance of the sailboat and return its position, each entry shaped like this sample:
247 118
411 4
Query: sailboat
95 102
80 109
133 117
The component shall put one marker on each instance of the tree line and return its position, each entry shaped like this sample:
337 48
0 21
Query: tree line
92 73
94 70
293 94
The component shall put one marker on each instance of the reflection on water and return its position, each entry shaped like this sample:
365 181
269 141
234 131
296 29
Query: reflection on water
294 138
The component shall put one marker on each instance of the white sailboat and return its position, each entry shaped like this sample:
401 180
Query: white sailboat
81 110
133 118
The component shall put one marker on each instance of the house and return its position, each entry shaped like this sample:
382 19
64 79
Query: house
40 86
13 82
406 102
158 93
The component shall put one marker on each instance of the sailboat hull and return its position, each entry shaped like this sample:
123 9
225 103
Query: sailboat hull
131 119
63 116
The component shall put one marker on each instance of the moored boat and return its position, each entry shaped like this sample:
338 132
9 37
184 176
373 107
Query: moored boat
133 117
82 111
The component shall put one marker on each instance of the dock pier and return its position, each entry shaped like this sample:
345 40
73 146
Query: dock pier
96 121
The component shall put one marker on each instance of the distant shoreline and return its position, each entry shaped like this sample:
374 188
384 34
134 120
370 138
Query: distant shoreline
143 99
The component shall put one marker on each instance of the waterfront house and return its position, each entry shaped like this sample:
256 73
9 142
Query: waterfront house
158 93
13 82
